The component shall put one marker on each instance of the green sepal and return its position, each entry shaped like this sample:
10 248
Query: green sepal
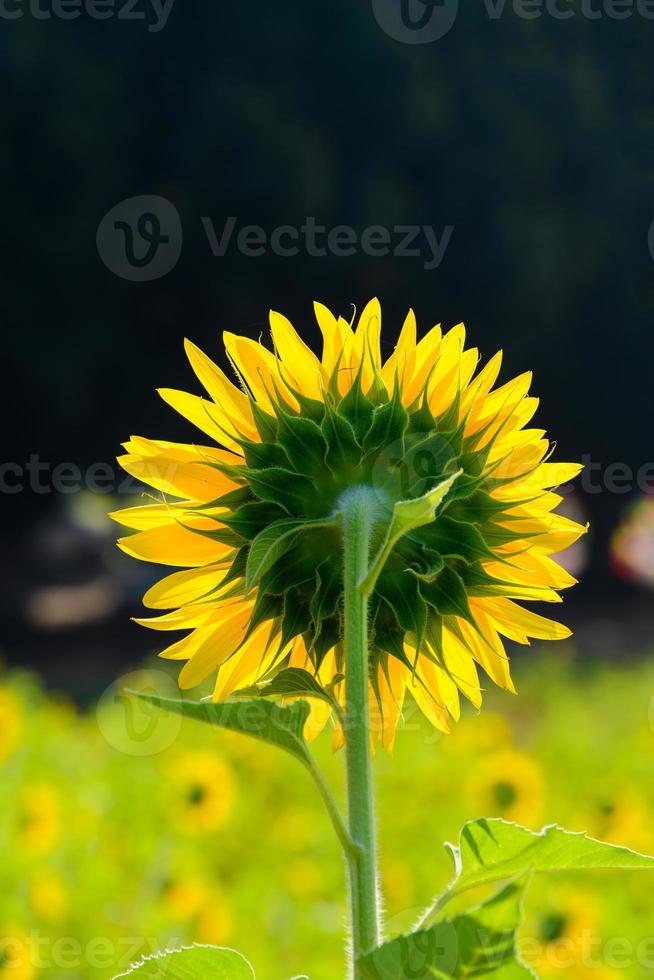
266 424
388 425
407 516
447 594
262 454
249 519
402 593
273 542
357 408
452 538
326 596
303 442
432 566
294 618
296 567
292 491
343 452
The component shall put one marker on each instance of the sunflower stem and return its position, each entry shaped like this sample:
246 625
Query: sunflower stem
358 508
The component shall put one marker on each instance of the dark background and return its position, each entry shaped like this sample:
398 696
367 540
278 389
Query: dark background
533 138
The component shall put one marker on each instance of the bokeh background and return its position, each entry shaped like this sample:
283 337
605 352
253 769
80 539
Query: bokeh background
532 141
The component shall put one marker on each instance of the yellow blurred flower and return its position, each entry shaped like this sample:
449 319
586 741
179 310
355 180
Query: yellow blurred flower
486 732
567 936
624 818
16 955
304 878
60 712
185 897
48 896
10 722
215 923
507 784
190 898
204 791
291 829
397 882
39 818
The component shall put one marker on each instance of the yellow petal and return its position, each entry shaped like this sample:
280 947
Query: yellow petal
182 587
518 619
232 404
248 665
461 667
300 363
488 648
386 703
190 476
174 545
366 346
335 333
220 643
201 413
190 617
259 369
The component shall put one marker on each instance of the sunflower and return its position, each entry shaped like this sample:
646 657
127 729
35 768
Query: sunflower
39 817
251 515
48 897
16 955
565 935
507 784
10 722
204 791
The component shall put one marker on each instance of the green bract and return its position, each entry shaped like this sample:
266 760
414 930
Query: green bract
435 521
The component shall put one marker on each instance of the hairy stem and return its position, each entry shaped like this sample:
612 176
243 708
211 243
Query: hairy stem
357 510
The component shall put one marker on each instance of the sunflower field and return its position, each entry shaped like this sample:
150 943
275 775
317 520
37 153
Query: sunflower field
127 832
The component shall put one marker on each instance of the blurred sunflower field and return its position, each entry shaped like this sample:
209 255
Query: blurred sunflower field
117 845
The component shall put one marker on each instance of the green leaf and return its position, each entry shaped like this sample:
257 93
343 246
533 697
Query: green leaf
282 726
273 542
260 719
493 850
193 963
478 943
291 682
407 516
